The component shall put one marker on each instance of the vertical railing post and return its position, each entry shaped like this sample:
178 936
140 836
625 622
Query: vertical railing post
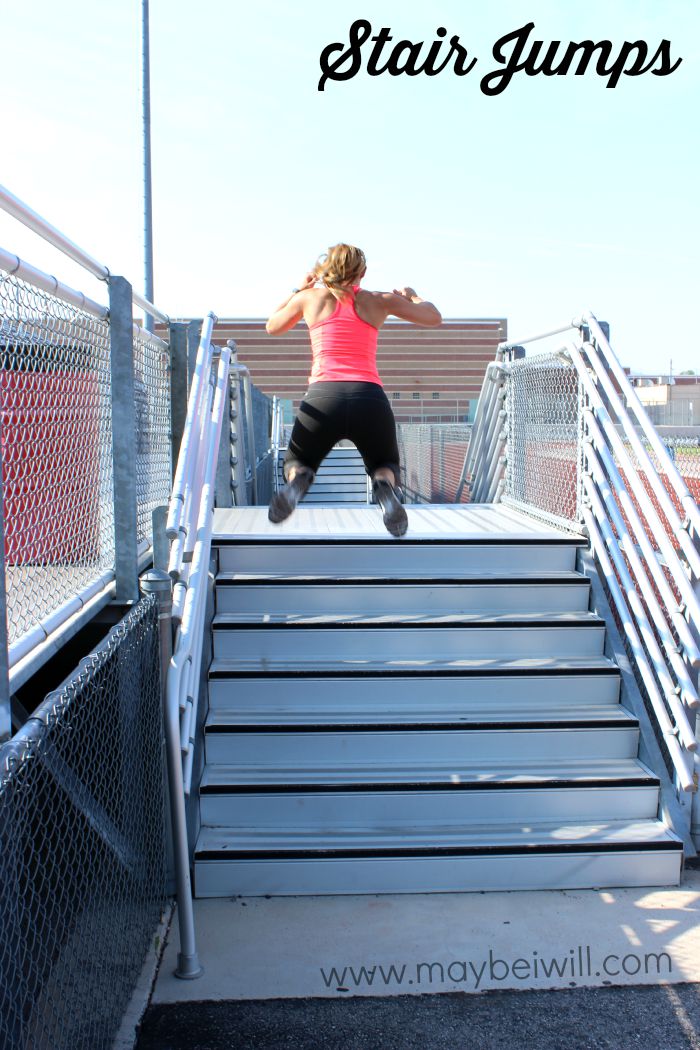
124 439
237 460
178 386
5 709
223 487
250 437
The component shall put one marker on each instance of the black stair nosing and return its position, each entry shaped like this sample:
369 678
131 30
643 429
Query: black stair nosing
220 623
626 846
487 540
370 787
226 579
416 673
610 724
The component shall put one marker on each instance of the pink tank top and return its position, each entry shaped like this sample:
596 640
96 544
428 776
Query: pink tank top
344 347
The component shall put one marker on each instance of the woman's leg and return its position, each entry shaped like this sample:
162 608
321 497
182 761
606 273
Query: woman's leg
314 433
373 429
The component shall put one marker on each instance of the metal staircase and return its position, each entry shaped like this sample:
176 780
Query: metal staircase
431 714
341 479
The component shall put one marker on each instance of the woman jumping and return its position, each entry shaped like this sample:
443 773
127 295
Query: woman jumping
345 398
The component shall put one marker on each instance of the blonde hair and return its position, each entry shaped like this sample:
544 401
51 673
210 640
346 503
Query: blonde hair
342 265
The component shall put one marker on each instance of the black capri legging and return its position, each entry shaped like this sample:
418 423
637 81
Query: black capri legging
332 411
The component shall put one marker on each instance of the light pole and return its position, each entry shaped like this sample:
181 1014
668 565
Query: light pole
147 200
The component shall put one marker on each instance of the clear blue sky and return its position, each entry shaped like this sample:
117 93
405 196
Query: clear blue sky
556 196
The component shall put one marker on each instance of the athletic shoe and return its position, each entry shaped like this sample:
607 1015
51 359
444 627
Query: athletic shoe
284 502
395 517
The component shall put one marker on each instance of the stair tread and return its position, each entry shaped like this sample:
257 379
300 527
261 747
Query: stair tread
222 667
436 773
412 618
429 838
489 525
276 715
432 580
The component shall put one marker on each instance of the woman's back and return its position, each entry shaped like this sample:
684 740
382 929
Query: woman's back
343 344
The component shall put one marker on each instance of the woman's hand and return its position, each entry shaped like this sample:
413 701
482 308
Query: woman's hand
407 293
309 281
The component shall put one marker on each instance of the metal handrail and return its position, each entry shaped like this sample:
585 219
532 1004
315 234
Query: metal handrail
481 464
662 633
16 267
46 282
190 522
35 222
244 373
686 499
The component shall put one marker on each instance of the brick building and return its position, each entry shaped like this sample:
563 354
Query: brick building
430 374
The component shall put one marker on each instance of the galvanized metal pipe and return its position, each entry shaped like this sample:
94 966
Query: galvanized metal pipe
634 603
24 214
640 535
603 419
511 344
28 217
687 501
491 426
688 692
187 449
666 727
188 648
15 266
645 462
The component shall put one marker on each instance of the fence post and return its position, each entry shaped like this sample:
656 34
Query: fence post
121 331
5 708
194 334
178 386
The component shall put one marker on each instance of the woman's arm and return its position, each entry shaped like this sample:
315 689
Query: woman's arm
291 310
408 305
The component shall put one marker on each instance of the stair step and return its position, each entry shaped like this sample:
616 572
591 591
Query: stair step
271 746
295 860
383 554
630 798
434 775
429 839
481 675
434 636
244 713
556 592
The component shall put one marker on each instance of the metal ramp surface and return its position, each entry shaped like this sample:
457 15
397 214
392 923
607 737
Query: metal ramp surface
434 713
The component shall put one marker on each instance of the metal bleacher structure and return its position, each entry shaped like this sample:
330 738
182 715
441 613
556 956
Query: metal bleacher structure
503 698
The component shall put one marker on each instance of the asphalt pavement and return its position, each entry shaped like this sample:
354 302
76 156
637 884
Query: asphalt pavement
657 1017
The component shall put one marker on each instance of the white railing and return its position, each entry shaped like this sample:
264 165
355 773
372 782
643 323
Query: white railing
33 221
564 436
189 529
190 516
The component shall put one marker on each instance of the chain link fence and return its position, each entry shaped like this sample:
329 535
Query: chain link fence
153 442
432 457
58 429
543 447
82 847
56 451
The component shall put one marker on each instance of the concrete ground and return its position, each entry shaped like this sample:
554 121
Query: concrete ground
544 969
